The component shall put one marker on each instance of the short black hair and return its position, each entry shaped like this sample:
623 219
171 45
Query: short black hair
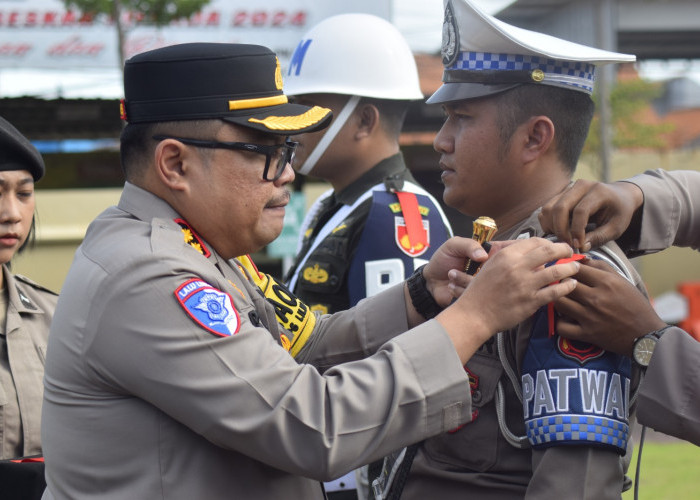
571 112
392 111
137 143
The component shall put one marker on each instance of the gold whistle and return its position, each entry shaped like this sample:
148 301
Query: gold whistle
484 230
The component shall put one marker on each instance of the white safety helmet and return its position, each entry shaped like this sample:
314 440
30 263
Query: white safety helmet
354 54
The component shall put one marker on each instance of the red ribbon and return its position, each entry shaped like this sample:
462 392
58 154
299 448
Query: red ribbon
417 235
550 307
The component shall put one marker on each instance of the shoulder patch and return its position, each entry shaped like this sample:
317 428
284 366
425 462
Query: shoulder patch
192 238
209 307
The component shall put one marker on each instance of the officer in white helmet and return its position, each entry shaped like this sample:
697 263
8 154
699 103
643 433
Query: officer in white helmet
551 419
376 225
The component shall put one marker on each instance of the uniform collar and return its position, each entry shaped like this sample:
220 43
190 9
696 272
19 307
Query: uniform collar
385 168
144 205
524 229
529 225
17 297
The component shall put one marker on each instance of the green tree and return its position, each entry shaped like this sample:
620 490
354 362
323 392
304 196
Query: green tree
155 12
627 101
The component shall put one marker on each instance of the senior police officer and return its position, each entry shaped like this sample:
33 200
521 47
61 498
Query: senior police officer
168 372
646 213
518 107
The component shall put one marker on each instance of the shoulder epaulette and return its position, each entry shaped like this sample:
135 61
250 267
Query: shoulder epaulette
33 284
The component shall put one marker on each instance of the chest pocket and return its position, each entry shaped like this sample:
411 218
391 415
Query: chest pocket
473 446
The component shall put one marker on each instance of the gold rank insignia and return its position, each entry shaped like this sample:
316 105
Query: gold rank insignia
310 117
192 238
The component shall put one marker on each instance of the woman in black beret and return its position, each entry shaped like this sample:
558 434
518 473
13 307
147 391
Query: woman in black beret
26 308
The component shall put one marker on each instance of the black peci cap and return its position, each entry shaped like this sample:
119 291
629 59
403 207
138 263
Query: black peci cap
238 83
17 153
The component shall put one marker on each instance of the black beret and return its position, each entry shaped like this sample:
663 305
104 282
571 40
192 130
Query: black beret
17 153
238 83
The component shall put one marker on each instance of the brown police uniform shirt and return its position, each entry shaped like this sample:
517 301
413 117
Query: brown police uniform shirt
669 398
144 400
23 337
671 210
476 460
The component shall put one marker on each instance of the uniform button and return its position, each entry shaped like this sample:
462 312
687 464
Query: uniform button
254 318
333 280
476 396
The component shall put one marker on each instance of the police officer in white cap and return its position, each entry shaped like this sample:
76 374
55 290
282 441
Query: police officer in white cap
550 418
376 225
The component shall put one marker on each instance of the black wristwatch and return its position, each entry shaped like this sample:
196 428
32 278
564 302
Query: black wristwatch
644 346
421 298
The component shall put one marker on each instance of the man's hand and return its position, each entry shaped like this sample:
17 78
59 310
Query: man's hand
510 286
451 257
609 206
459 280
606 310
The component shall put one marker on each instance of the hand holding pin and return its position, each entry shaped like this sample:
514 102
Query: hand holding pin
484 230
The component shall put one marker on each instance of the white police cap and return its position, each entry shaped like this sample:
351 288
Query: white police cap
484 56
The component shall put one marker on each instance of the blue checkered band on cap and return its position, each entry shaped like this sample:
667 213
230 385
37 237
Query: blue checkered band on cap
556 72
577 429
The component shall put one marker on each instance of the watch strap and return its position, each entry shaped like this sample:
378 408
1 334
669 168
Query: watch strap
421 298
658 333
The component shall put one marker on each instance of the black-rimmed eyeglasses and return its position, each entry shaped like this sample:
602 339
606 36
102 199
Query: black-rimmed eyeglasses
277 155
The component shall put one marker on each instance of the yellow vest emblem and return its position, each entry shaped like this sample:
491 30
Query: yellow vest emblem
319 308
315 274
396 209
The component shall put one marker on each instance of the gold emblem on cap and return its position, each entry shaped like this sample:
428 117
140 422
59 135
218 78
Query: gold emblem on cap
537 75
278 75
311 117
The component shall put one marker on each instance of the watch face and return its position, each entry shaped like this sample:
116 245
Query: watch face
643 349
